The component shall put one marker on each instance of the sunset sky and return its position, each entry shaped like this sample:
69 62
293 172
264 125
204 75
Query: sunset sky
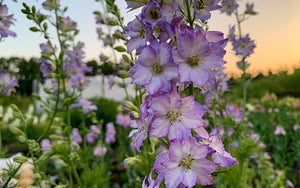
276 31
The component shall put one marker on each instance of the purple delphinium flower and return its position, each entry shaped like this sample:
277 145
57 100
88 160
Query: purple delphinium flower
110 80
76 136
231 35
5 22
91 137
175 116
76 68
67 25
95 129
46 67
244 46
290 183
234 112
46 49
229 6
152 183
151 13
123 120
222 131
186 162
54 86
99 151
202 8
296 127
46 145
139 34
110 136
86 105
279 131
194 59
221 157
154 69
7 84
249 9
140 132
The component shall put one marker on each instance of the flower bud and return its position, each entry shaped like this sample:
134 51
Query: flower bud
123 74
130 161
129 106
15 130
20 159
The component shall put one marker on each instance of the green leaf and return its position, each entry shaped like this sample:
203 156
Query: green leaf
34 29
120 49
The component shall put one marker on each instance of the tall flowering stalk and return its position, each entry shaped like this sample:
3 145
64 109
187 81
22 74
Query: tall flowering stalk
64 65
176 59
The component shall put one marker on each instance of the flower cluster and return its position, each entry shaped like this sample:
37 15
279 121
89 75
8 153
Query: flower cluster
174 55
92 137
242 45
6 21
7 84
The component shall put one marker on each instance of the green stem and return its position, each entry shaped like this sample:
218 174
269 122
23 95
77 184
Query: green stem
125 89
238 23
244 91
191 89
188 6
54 113
10 177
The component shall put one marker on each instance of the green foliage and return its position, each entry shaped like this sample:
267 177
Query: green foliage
282 84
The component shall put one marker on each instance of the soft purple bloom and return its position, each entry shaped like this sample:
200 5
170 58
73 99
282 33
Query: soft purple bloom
229 6
154 69
220 156
234 112
110 136
202 8
279 131
46 49
151 13
99 151
244 46
95 129
139 34
296 127
140 132
91 137
54 86
76 68
235 144
123 120
46 145
86 105
186 162
7 84
152 183
46 67
290 183
76 136
231 35
5 22
222 131
111 81
254 136
195 59
67 25
175 116
249 9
